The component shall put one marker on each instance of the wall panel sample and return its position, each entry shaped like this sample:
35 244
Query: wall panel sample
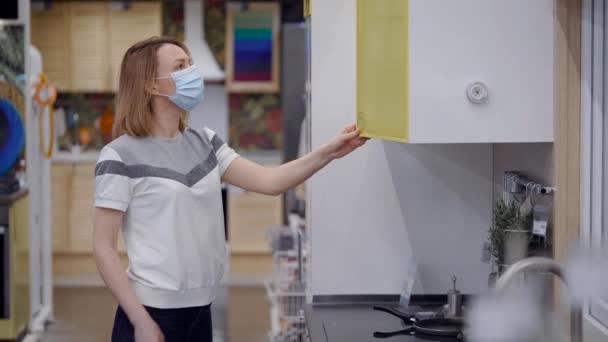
252 47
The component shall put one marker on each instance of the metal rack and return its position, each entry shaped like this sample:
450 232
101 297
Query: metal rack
287 287
520 188
515 182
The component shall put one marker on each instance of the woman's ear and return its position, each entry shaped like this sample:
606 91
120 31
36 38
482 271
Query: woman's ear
152 88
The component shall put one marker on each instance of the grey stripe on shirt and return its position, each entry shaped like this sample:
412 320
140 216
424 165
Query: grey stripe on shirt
217 142
141 170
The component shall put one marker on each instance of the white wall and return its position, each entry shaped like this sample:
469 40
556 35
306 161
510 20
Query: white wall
212 112
382 205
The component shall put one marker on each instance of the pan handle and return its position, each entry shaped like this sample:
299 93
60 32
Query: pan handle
393 312
405 331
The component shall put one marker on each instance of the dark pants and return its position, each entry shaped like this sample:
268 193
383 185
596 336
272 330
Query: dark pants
178 325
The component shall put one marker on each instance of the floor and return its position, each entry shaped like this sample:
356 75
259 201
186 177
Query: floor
240 313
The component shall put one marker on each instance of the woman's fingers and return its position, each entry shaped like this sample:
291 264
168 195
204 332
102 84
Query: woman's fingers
359 142
351 135
349 128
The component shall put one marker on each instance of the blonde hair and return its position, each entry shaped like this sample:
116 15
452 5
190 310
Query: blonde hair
134 114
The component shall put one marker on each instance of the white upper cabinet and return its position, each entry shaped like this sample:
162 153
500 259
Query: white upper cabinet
440 71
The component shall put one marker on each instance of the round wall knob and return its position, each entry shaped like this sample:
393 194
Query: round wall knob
477 92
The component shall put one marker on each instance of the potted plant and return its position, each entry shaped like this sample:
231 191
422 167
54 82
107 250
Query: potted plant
509 234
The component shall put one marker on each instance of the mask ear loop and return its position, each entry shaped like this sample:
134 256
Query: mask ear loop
162 78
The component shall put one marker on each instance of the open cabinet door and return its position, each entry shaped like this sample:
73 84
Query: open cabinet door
382 69
594 138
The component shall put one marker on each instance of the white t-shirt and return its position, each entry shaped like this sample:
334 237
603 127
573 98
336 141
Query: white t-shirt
173 227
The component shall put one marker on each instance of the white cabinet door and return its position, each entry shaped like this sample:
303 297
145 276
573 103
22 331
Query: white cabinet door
595 152
506 45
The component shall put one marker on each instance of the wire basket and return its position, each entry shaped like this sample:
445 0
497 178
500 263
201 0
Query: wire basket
287 318
294 334
288 300
287 288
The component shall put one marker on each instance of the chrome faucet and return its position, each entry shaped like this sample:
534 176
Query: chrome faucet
540 264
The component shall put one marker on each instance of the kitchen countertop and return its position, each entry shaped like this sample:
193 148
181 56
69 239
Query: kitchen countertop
356 322
87 157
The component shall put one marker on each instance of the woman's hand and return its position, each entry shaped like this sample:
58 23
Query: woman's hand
347 141
148 331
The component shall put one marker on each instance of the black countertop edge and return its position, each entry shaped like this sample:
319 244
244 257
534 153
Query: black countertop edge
354 299
415 299
14 197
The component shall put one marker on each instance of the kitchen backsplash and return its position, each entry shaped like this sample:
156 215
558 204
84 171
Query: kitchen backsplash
84 119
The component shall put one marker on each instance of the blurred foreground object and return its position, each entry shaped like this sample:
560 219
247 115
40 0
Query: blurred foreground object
500 317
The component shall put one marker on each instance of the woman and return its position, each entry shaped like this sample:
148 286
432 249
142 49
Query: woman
159 181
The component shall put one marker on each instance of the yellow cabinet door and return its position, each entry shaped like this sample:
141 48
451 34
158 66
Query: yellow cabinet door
80 213
50 32
19 228
126 27
61 176
88 46
73 191
81 206
382 69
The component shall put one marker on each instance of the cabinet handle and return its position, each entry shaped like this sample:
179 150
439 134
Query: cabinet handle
477 92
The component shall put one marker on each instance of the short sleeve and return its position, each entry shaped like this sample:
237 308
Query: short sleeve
224 153
112 182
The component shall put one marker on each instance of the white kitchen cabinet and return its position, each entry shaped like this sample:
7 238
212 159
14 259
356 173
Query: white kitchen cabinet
416 59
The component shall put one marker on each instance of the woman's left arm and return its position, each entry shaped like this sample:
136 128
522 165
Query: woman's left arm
276 180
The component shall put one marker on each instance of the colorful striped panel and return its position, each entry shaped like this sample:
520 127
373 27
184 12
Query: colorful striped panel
253 32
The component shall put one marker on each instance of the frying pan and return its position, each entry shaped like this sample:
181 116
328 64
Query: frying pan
12 136
452 327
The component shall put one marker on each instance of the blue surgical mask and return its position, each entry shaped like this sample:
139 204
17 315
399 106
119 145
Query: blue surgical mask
188 88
